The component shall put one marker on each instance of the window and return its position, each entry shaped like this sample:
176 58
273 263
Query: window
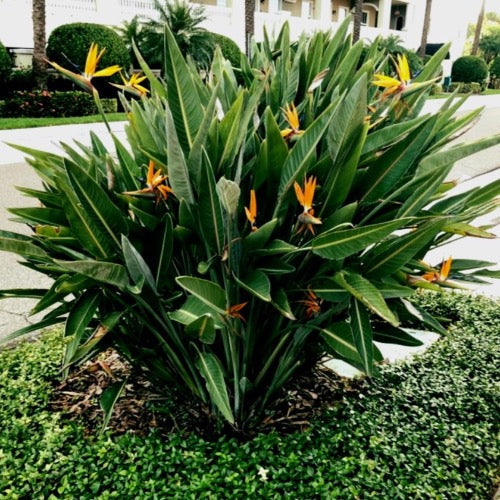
364 18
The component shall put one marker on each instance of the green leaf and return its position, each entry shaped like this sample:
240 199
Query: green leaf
192 309
257 239
103 272
464 229
156 86
392 335
202 328
178 174
40 215
22 245
207 291
280 302
367 293
341 244
391 255
257 283
183 99
276 247
362 334
108 400
423 316
339 337
136 265
165 252
328 289
211 369
210 211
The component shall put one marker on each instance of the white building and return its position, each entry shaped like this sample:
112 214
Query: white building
403 18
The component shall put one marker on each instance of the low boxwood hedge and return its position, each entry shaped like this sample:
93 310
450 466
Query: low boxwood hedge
424 428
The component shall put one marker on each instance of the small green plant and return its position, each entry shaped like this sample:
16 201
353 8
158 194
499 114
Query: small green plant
246 231
469 69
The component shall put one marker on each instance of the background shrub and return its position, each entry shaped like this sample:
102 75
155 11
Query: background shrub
72 41
437 88
495 72
469 69
5 65
55 104
229 49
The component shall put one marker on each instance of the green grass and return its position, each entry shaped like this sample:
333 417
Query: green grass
444 95
13 123
423 429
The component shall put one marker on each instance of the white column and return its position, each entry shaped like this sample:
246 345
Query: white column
384 14
238 23
323 11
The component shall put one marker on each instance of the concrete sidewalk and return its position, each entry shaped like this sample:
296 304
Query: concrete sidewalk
478 169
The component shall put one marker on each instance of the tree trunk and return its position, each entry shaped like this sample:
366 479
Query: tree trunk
249 23
39 65
477 33
425 29
358 16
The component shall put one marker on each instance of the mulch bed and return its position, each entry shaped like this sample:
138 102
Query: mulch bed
140 409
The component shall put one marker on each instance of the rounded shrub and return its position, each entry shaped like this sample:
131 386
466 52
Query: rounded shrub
70 43
468 69
5 64
228 47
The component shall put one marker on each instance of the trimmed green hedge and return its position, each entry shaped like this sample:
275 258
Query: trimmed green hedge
423 429
229 49
469 69
36 104
5 65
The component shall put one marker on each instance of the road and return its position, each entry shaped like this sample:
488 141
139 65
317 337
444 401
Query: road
14 313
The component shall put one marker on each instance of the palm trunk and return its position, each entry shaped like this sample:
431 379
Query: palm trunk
39 65
249 23
358 16
425 29
477 33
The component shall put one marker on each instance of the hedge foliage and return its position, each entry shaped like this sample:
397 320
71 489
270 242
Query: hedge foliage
468 69
423 429
5 65
72 41
229 48
54 104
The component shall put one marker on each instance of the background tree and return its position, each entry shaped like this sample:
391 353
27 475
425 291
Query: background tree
358 17
184 21
489 45
425 29
39 64
477 33
249 23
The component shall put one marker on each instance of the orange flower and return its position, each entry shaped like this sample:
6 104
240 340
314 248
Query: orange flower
251 212
84 79
234 311
155 185
305 198
312 303
292 117
440 275
133 85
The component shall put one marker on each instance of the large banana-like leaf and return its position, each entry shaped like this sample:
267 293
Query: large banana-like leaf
193 309
183 98
156 86
341 244
177 167
390 256
137 267
393 335
22 245
104 272
202 328
40 215
211 369
339 338
368 294
164 253
257 283
362 334
209 210
207 291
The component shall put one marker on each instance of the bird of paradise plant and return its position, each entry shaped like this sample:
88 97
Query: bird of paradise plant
189 287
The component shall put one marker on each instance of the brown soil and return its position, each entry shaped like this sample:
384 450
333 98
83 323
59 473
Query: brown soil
140 409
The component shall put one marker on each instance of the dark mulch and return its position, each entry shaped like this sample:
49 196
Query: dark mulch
141 409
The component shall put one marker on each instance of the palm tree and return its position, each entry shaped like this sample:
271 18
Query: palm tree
184 21
358 16
39 64
477 32
249 23
425 29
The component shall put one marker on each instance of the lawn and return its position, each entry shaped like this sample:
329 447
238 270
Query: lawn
13 123
424 428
